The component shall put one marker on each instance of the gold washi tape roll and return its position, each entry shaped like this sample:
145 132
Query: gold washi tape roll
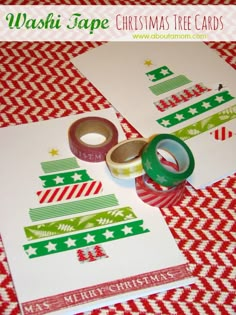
124 159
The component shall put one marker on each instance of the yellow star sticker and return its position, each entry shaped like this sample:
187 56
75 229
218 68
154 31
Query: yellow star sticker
53 152
148 62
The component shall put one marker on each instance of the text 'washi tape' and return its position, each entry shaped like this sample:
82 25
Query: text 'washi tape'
92 125
124 159
160 172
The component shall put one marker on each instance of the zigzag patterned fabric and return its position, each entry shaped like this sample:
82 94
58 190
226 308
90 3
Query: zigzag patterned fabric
38 82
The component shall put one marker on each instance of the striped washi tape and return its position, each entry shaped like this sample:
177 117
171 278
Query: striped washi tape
59 165
124 159
84 239
156 195
73 207
206 124
69 192
79 223
169 85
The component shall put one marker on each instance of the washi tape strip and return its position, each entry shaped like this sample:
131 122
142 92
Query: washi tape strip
61 302
181 97
59 165
79 223
69 192
169 85
73 207
206 124
154 195
195 109
157 170
159 73
83 239
88 125
65 178
124 159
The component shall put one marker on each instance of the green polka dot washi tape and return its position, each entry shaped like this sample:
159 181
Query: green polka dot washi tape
178 149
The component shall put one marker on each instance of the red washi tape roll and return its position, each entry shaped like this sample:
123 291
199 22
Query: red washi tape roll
156 195
88 125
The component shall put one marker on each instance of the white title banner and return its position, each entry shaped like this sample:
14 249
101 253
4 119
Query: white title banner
116 23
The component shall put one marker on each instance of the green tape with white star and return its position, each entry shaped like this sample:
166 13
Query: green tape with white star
206 124
159 73
65 178
84 239
195 109
178 149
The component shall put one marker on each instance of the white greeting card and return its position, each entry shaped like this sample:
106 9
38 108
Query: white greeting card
70 249
181 88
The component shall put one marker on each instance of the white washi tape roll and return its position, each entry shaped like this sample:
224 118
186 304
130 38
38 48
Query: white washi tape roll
124 159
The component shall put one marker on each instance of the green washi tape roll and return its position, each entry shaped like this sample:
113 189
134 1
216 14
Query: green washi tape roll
178 149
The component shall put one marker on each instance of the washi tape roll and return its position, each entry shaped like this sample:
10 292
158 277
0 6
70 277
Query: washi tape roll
158 171
156 195
92 152
124 159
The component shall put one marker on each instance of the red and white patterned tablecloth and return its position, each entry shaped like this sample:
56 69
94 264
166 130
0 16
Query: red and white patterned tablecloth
38 82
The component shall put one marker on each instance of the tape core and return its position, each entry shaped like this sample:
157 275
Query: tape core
93 127
128 151
177 151
124 160
158 171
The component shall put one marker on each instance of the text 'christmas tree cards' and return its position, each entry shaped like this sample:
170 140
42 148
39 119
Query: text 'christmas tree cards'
75 237
181 88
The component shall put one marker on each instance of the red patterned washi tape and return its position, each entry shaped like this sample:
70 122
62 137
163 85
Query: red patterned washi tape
69 192
88 125
156 195
181 97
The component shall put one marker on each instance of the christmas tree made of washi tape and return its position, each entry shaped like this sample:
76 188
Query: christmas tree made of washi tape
68 199
164 81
